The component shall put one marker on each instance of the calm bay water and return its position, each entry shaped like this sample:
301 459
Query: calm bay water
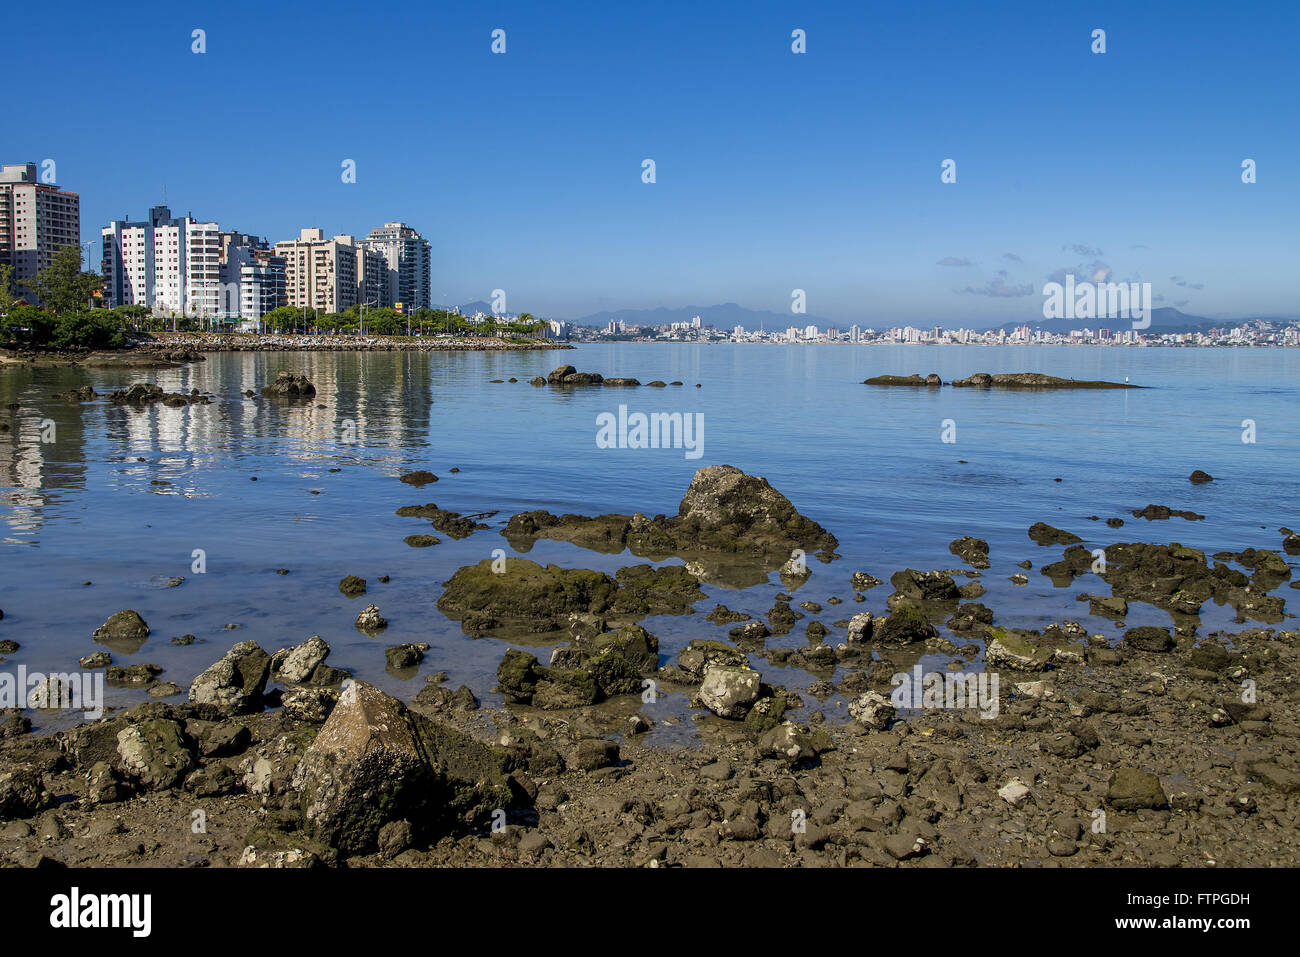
867 463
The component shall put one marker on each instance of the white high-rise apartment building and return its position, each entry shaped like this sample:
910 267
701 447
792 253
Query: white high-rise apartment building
36 221
170 264
252 277
407 255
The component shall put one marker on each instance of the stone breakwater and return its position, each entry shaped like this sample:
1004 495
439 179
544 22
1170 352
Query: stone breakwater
251 342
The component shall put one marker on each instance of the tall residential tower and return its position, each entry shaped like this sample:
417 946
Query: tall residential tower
36 221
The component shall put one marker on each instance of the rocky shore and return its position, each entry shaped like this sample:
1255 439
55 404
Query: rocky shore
283 342
1056 746
164 349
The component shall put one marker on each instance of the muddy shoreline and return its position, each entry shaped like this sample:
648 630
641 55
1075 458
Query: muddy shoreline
1160 746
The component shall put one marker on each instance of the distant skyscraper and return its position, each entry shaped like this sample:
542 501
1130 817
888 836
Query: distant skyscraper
36 221
407 255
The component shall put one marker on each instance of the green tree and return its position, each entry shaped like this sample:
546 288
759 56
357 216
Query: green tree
88 329
6 288
62 286
31 323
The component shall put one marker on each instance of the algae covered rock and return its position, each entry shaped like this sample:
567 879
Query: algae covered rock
290 386
1134 790
529 596
905 624
1045 534
1149 638
725 512
375 762
1016 650
124 632
155 752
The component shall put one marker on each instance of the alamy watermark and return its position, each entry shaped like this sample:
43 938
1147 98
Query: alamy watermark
56 690
1098 300
952 691
657 430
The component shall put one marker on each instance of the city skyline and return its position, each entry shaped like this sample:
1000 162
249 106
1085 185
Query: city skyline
775 170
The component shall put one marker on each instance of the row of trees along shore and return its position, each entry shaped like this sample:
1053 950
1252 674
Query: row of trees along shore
68 318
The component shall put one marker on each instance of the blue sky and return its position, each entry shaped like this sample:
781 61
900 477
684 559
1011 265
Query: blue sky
775 171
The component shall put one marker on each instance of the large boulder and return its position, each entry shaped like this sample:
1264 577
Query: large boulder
155 752
729 690
236 682
732 511
375 762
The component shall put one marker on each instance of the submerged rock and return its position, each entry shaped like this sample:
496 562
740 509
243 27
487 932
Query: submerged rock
352 586
1045 534
403 657
419 478
147 394
290 386
449 523
536 598
913 380
1161 512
